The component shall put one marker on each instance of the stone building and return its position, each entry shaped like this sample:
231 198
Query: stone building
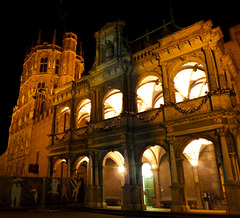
155 122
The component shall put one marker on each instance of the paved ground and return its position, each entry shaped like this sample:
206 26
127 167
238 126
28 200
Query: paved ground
66 214
74 213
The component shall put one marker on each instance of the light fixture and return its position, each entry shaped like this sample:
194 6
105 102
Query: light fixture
121 169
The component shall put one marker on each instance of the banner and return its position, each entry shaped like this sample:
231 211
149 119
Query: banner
20 192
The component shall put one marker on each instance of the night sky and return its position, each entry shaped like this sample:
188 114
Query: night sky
19 30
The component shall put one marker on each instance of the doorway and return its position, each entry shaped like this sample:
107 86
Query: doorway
148 187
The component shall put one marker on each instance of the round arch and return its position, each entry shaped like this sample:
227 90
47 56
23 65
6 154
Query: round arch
63 119
188 139
83 112
79 161
112 103
149 92
156 177
60 168
203 171
174 69
112 178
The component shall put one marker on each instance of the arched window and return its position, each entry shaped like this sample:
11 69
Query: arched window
149 94
43 65
84 111
190 82
113 104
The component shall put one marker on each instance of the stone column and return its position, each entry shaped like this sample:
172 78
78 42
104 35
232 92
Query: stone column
234 167
156 199
179 203
127 188
232 189
97 188
90 190
236 134
197 187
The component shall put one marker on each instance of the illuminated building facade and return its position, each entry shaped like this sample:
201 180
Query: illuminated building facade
153 123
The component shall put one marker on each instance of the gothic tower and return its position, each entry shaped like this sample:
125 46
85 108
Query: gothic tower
45 68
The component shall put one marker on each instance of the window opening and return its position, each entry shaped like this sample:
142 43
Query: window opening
84 113
43 65
149 94
190 82
113 104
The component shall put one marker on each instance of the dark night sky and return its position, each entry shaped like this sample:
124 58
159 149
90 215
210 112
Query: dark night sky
24 18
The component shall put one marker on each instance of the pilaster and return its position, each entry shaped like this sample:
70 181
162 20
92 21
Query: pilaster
231 187
179 202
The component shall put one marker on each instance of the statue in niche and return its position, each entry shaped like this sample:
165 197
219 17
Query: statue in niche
109 49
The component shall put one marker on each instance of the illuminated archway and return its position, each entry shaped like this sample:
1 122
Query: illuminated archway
190 82
64 119
81 169
203 173
149 93
156 177
113 178
84 111
113 104
60 168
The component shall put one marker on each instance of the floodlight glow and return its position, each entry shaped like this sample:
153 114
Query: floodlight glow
121 169
146 170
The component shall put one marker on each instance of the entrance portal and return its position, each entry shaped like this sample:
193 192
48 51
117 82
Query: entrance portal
113 179
147 184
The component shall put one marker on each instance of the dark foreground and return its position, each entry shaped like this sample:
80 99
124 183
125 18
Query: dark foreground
98 213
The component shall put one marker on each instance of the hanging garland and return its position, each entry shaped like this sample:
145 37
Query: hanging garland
131 114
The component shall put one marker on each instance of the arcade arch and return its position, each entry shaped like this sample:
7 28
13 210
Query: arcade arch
149 93
113 103
63 120
60 168
83 113
190 82
81 169
203 174
113 178
156 177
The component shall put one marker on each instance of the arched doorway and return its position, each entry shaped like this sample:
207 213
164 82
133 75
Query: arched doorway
203 175
60 168
113 178
156 177
81 170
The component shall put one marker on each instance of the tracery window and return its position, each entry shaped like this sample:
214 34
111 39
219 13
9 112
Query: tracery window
113 104
149 94
190 82
84 111
43 64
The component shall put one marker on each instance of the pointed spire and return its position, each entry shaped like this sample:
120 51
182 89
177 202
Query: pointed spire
39 37
54 37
